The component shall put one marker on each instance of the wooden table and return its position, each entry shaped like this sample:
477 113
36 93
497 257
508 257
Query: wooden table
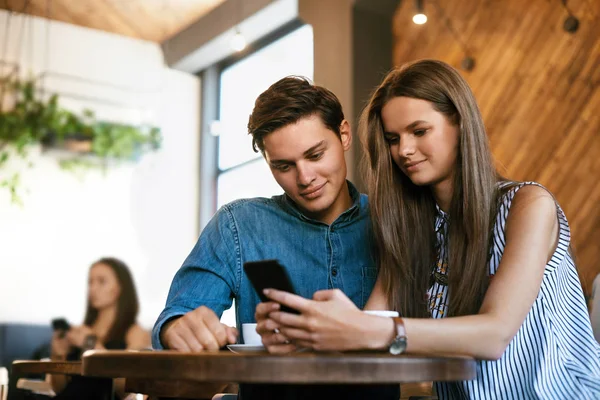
151 371
297 368
26 367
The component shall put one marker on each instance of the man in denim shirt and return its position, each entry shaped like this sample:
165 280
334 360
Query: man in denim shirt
319 229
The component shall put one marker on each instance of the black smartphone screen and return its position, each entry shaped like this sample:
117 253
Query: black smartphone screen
269 274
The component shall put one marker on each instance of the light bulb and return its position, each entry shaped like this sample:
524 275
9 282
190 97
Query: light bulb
420 19
238 41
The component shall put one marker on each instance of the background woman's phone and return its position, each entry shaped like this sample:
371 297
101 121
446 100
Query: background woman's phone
61 325
269 274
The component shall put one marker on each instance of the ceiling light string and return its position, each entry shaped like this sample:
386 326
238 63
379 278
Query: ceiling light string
21 41
419 18
6 35
571 23
4 79
468 62
165 43
238 41
47 48
30 32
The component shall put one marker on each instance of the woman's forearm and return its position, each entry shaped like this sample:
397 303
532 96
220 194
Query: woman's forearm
377 299
57 382
478 336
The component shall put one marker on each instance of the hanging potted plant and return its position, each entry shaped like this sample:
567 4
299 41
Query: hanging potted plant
29 119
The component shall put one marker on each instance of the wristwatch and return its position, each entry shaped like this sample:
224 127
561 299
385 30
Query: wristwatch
398 344
89 342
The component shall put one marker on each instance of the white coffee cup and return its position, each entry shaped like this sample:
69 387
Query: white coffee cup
3 376
383 313
251 337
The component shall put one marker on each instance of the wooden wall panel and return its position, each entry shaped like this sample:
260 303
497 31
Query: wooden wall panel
539 91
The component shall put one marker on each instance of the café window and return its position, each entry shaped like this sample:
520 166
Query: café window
242 172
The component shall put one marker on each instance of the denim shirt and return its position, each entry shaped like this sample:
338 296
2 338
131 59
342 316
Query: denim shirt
317 256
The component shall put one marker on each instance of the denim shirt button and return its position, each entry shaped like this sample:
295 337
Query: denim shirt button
334 272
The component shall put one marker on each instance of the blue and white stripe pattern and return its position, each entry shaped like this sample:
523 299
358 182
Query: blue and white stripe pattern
554 354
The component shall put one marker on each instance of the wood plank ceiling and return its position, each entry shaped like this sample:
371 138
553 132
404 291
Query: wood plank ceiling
153 20
539 91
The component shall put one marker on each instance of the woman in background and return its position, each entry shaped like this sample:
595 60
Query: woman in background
475 264
110 323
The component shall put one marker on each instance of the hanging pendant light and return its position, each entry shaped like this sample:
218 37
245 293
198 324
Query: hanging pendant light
238 41
419 18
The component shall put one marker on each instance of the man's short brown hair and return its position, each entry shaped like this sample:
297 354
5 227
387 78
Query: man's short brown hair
287 101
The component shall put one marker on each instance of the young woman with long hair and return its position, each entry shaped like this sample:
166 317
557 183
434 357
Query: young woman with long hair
109 323
475 264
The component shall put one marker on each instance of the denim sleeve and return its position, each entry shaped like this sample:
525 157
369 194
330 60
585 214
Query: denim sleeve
209 276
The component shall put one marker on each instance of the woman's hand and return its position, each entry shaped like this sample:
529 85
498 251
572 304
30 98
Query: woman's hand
76 335
268 329
59 346
328 322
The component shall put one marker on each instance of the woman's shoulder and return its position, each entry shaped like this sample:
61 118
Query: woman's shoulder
509 189
526 198
525 195
530 193
137 336
524 204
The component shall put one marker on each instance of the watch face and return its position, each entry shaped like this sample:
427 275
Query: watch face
89 342
398 345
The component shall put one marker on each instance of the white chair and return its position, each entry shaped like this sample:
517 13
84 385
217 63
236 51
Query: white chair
37 386
3 383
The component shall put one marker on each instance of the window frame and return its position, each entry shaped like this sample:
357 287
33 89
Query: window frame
210 111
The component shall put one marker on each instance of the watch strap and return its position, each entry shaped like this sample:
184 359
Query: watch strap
400 329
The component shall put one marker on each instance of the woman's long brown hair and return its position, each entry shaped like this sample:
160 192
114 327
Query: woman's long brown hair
127 304
403 214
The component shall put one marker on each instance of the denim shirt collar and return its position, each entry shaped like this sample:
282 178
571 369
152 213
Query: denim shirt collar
290 206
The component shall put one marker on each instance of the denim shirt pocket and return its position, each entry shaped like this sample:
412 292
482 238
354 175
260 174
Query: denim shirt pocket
369 277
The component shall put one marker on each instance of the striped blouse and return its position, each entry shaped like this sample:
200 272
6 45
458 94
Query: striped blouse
554 354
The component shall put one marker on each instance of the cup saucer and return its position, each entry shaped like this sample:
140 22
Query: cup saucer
246 348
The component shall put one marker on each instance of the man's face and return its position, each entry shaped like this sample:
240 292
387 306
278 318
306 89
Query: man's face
307 161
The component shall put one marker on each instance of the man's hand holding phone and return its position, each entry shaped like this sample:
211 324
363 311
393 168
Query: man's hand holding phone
197 330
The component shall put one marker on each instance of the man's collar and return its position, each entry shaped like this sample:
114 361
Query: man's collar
347 214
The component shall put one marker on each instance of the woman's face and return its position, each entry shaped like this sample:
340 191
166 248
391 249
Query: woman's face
103 287
422 142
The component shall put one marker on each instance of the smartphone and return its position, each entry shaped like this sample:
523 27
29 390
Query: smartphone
61 325
269 274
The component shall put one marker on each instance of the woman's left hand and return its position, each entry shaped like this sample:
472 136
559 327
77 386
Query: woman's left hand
328 322
77 334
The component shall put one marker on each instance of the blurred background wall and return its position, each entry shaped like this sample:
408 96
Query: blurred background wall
144 213
538 87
